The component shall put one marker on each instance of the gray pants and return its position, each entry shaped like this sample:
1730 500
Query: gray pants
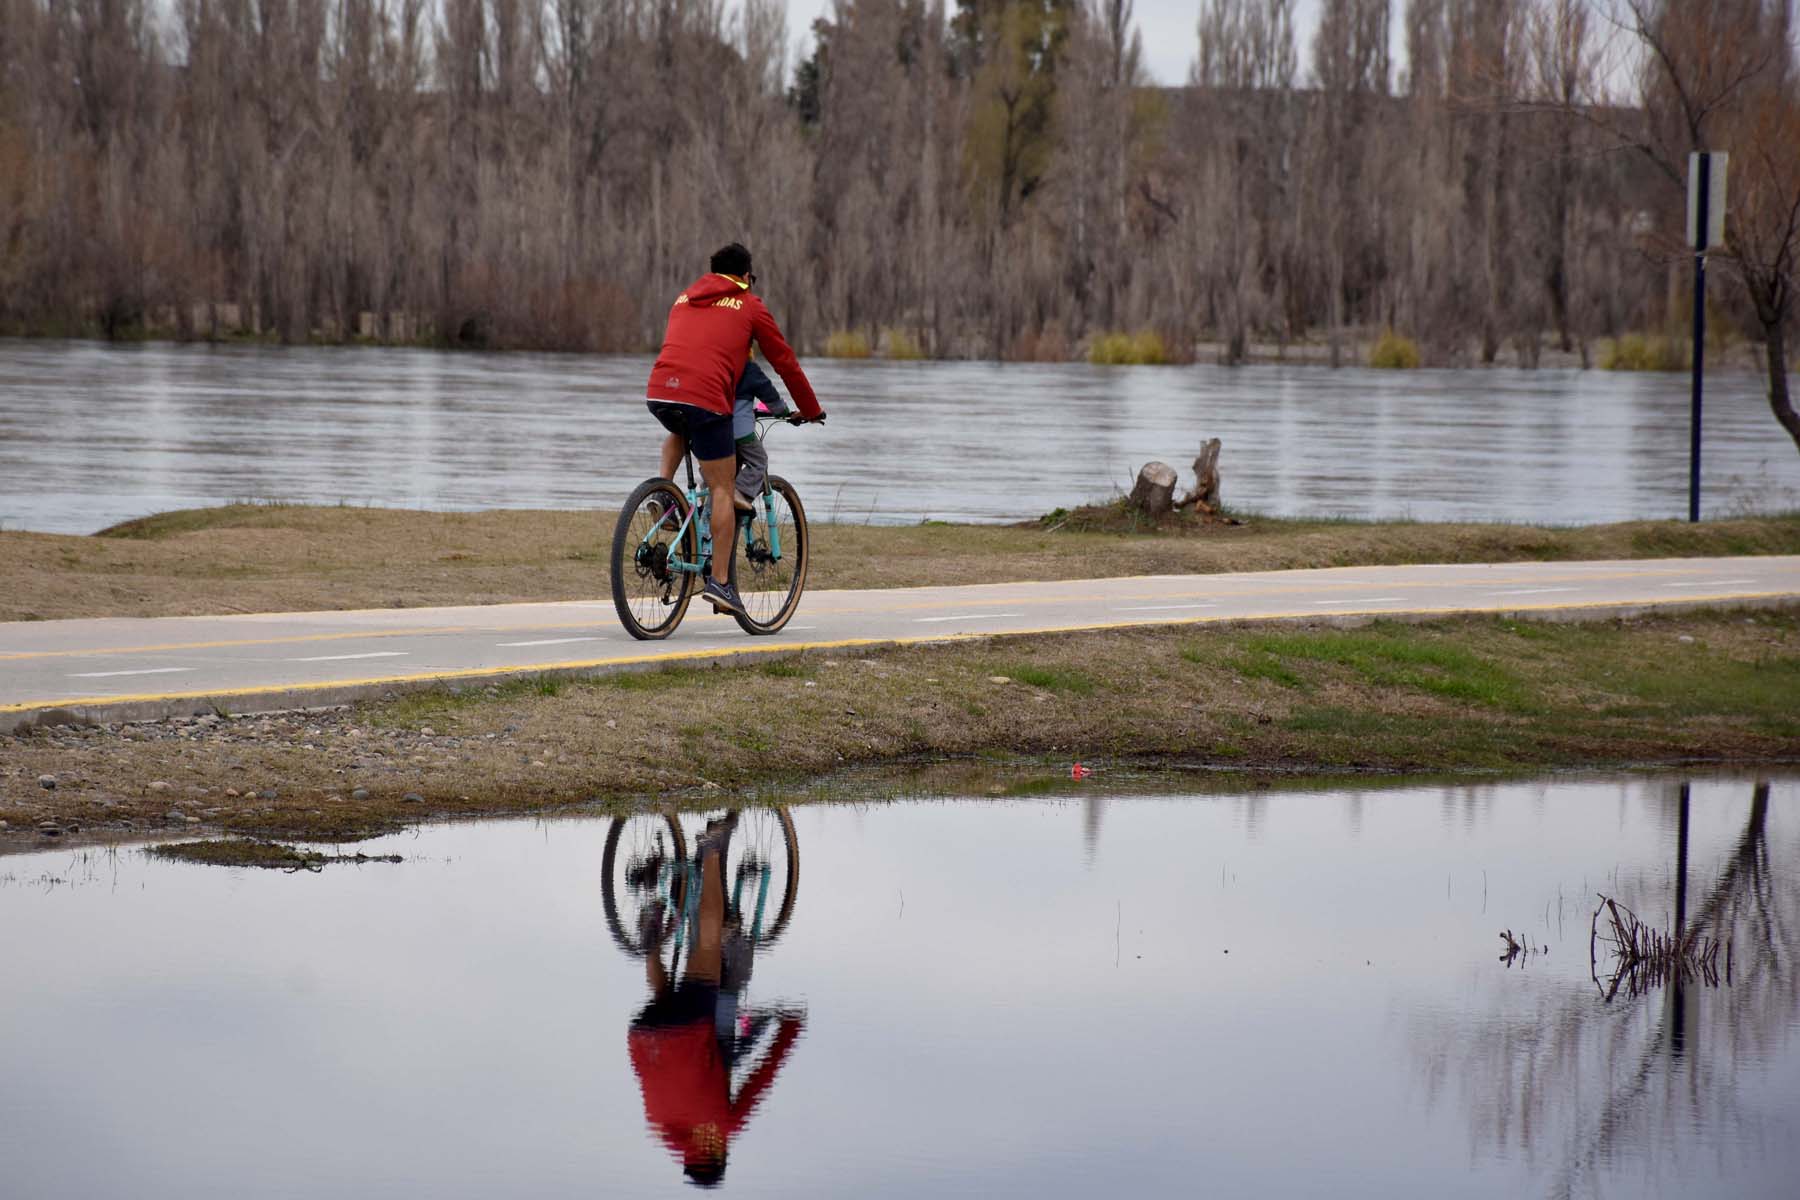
753 460
753 468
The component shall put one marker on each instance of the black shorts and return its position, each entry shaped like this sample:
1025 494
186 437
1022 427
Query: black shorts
708 433
688 1004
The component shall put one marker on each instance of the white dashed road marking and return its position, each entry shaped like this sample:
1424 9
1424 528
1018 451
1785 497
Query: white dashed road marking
552 641
1162 607
110 674
964 617
343 657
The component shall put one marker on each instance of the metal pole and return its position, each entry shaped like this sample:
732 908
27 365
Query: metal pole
1678 997
1701 224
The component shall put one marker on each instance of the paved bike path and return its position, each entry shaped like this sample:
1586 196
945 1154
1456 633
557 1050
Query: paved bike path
127 668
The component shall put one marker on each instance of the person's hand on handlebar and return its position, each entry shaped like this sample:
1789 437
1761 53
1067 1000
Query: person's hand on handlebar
799 419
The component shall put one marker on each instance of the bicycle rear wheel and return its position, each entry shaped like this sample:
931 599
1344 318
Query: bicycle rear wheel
762 871
651 597
644 864
769 585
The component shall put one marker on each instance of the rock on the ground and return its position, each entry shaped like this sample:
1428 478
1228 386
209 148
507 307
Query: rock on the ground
47 782
360 794
159 785
412 798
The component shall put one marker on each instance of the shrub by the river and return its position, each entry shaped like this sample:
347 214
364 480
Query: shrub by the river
847 343
1641 352
902 345
1395 352
1128 349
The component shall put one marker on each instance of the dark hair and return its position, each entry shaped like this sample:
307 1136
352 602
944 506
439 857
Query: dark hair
707 1173
731 259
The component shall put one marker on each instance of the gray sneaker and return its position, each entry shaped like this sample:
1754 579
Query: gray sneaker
723 597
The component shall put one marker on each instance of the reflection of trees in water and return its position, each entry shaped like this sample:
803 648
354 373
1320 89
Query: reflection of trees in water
1569 1083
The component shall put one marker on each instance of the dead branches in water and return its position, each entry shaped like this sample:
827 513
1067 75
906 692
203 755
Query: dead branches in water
1518 948
1642 957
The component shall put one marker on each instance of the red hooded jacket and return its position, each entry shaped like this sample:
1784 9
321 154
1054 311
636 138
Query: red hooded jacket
711 327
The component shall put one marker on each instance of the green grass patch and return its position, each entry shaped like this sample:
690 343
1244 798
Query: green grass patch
412 709
757 741
1052 679
1393 656
662 679
194 520
1688 683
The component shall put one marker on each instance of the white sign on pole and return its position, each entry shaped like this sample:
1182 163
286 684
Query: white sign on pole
1711 164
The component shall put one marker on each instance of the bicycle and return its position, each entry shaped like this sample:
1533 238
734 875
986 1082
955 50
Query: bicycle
650 885
662 549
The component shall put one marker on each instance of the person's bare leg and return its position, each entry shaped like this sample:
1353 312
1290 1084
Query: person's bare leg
720 474
673 447
706 957
655 973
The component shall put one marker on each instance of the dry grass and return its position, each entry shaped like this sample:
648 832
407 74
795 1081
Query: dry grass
1464 695
261 558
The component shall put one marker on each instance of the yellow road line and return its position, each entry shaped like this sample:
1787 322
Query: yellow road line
845 643
422 631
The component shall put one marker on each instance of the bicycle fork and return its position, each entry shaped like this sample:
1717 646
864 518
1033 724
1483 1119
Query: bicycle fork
690 908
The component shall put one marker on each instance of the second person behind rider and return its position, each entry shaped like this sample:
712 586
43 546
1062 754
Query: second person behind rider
694 384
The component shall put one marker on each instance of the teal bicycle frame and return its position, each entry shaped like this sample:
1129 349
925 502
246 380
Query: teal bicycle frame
699 498
689 873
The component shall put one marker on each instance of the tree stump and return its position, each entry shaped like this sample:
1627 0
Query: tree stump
1206 477
1154 492
1205 496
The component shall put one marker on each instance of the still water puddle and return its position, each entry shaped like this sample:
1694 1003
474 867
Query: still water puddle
1273 993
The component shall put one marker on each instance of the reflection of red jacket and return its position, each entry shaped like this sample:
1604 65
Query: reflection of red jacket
686 1083
711 327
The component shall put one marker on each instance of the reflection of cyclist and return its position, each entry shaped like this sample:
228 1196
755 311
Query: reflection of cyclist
685 1041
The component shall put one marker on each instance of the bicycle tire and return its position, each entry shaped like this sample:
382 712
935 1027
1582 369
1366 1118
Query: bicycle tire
790 882
628 939
767 608
642 590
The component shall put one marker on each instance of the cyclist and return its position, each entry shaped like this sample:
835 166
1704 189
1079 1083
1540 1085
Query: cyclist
694 383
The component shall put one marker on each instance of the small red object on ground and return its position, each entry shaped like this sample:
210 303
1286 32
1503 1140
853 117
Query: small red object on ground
1079 772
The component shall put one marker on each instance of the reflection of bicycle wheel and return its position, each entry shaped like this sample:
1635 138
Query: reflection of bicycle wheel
644 863
762 872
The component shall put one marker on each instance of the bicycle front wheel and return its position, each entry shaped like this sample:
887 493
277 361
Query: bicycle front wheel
768 564
651 596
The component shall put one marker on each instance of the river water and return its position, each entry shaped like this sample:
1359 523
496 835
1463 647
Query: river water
92 434
1272 993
